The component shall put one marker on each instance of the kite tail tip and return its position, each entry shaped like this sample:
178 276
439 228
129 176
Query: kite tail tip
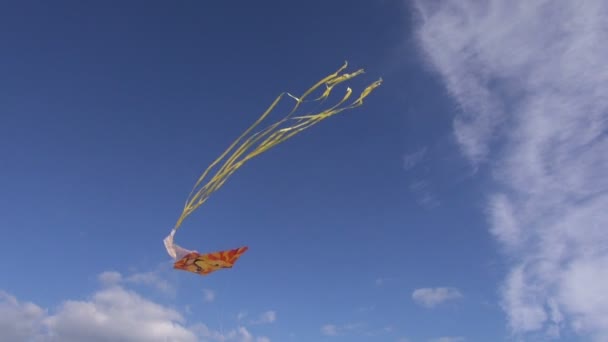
344 66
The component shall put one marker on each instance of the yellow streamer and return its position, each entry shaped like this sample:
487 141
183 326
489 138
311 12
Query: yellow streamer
257 143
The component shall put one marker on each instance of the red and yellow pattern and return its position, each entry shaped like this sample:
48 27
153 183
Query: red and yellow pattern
204 264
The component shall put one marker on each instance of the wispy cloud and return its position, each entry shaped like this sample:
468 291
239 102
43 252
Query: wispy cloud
380 331
448 339
421 189
411 160
431 297
239 334
152 278
329 330
241 315
265 318
336 330
531 81
367 308
356 329
110 278
381 281
208 295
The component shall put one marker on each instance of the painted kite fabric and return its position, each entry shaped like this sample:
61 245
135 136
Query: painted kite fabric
250 146
204 264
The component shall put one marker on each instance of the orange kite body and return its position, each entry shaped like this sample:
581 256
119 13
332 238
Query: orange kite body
204 264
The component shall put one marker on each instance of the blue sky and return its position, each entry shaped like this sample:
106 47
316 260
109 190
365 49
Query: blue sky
462 202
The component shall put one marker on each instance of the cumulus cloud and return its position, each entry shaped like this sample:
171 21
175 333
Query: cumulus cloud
431 297
530 78
19 321
116 314
113 313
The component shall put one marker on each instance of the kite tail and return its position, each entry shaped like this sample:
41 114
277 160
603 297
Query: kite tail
234 157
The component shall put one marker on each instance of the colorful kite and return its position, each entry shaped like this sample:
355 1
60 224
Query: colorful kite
250 146
204 264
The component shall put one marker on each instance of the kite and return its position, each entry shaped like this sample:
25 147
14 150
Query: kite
244 148
206 263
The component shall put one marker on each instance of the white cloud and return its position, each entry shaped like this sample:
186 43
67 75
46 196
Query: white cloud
335 330
531 81
355 329
367 308
151 279
448 339
383 281
113 313
110 278
431 297
388 329
239 334
208 295
266 317
241 315
18 321
329 330
116 314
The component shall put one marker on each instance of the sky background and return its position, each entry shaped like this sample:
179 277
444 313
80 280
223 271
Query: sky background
464 201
